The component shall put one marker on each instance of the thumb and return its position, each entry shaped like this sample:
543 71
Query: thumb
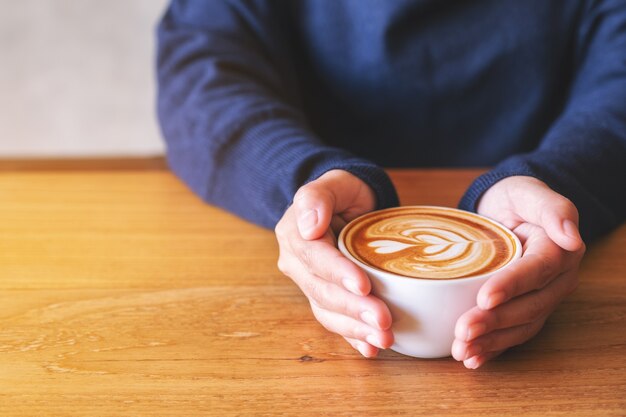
334 192
537 203
314 208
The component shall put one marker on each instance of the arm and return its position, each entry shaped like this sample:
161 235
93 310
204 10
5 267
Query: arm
228 108
583 155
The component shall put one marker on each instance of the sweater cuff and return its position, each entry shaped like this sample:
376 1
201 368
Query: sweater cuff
509 168
379 182
595 219
369 173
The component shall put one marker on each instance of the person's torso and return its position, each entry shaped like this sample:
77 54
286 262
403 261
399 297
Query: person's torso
432 82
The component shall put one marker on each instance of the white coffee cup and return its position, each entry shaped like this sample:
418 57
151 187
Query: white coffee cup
425 311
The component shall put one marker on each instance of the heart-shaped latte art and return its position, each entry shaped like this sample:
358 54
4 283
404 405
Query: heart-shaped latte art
388 246
430 243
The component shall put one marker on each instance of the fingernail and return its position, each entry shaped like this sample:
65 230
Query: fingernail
362 348
496 299
471 363
351 286
483 301
372 339
473 350
475 330
307 221
457 350
369 318
571 229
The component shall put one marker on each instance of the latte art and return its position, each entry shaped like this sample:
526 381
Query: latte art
425 242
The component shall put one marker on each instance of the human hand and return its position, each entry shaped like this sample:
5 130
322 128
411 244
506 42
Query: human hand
337 289
513 305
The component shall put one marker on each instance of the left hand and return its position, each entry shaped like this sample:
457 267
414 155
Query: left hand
513 305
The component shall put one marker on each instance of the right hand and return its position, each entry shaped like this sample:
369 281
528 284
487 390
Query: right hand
337 289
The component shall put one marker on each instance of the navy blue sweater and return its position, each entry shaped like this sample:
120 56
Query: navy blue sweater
256 98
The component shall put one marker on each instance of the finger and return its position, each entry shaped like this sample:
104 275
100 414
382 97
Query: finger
352 329
477 361
533 306
554 213
529 273
364 348
322 259
541 263
496 340
328 296
313 204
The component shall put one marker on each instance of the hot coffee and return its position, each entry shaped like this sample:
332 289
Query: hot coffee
427 264
429 242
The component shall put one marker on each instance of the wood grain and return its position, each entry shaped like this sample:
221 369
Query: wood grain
83 164
121 293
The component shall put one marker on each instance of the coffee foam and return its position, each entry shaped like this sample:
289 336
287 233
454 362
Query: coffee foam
429 242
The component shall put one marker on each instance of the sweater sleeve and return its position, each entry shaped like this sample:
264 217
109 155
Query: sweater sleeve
583 154
228 109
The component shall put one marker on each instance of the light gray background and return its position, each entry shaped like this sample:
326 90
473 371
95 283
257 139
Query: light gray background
77 78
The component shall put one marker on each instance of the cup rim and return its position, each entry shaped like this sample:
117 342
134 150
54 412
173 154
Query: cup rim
441 281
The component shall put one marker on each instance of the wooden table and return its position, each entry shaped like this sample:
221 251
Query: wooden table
121 293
